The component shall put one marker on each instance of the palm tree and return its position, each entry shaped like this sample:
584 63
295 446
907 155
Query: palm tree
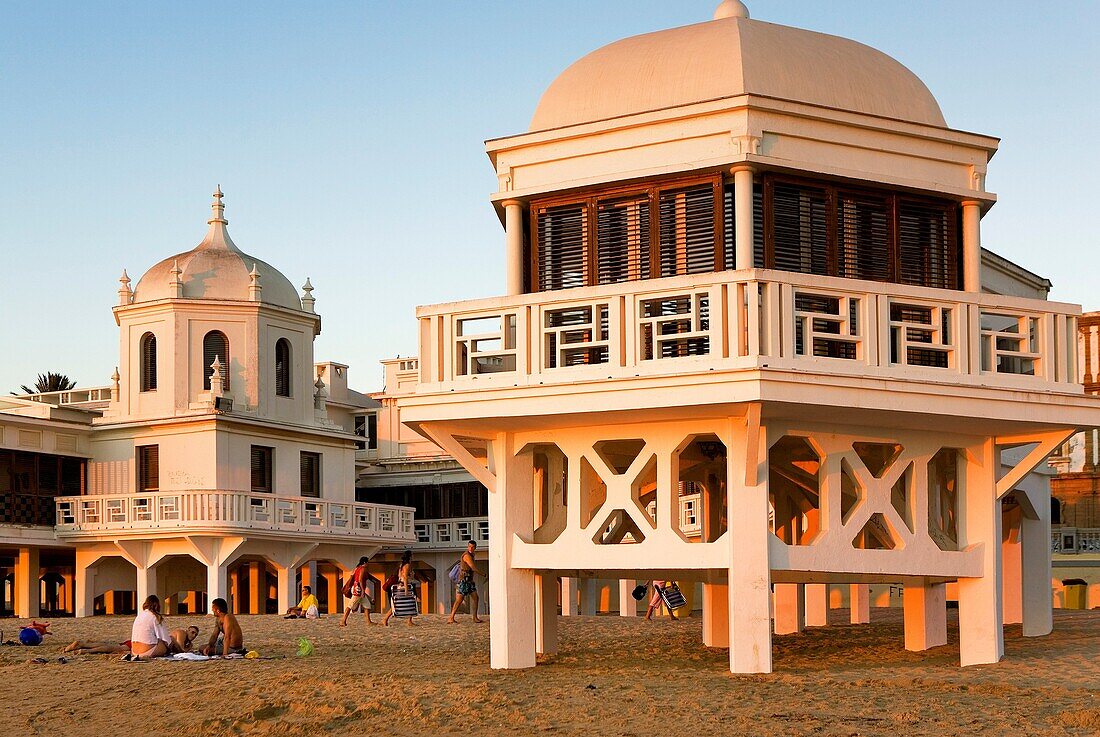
49 382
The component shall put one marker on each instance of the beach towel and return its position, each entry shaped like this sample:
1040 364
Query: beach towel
190 656
405 603
672 596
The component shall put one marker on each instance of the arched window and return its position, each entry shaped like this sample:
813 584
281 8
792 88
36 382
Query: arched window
215 344
282 367
148 348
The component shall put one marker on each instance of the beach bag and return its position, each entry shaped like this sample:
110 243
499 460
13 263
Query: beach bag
639 592
351 583
405 603
672 597
455 573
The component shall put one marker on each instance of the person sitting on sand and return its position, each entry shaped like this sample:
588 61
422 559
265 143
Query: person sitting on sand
92 647
402 583
149 637
227 638
183 639
355 591
466 586
308 607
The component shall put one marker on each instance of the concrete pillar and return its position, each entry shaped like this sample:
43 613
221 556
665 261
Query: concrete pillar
750 573
191 601
972 246
216 583
335 594
546 614
234 599
859 597
511 591
146 583
716 615
257 584
85 587
309 575
1036 572
513 245
70 592
790 608
444 589
925 612
284 589
981 636
1012 584
589 594
568 596
743 224
817 604
27 587
628 606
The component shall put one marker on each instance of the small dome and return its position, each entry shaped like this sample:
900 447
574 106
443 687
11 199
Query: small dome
729 56
216 269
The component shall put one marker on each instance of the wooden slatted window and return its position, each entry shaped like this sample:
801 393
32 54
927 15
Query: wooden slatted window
687 230
72 476
799 228
864 237
261 464
622 239
927 251
148 359
562 247
215 345
148 467
282 367
311 474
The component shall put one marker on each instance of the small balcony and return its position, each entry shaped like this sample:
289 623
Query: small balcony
139 515
451 534
749 320
1075 541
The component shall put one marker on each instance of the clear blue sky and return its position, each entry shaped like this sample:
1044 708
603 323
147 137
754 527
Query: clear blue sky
348 140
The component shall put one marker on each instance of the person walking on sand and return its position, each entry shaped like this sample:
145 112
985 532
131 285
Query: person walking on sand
466 586
655 601
404 573
149 637
355 590
227 638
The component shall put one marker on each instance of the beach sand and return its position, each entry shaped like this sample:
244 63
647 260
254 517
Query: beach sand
612 676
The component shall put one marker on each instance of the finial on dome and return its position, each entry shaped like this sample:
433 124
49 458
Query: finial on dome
125 294
218 207
176 285
308 301
731 9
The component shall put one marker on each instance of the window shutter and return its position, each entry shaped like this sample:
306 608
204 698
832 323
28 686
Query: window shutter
282 367
261 469
148 458
927 246
622 237
215 344
311 474
148 362
863 237
563 247
686 230
800 228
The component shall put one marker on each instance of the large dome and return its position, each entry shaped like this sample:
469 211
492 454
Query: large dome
731 56
217 269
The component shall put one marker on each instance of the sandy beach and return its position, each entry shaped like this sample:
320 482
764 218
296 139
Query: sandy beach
612 677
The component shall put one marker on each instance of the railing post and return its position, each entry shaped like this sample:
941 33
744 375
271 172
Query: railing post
781 332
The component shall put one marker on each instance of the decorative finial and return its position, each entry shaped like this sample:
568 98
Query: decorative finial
308 301
125 294
218 207
176 285
115 378
254 286
217 381
731 9
319 397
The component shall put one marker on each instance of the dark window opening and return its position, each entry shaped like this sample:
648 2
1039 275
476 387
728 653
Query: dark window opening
148 467
282 367
215 345
261 465
148 358
311 474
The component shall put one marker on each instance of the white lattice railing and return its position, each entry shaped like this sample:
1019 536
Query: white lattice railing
734 319
454 532
1073 540
77 515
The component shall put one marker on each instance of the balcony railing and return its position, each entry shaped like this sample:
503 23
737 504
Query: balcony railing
737 319
455 532
231 510
1074 540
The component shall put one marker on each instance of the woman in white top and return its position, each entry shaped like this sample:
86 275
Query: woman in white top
149 638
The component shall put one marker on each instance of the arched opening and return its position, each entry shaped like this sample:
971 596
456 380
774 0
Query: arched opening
148 349
215 345
282 367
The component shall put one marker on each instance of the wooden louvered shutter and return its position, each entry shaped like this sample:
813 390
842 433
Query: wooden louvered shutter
799 228
687 227
622 240
864 237
562 235
927 244
311 474
215 344
261 469
148 470
282 367
148 362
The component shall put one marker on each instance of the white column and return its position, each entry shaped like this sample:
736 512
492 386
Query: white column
568 596
750 573
216 583
513 249
546 614
716 615
925 612
972 246
817 604
981 636
742 216
628 606
83 578
1012 585
27 587
1038 617
309 575
790 608
284 589
444 589
146 583
511 591
859 596
589 597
